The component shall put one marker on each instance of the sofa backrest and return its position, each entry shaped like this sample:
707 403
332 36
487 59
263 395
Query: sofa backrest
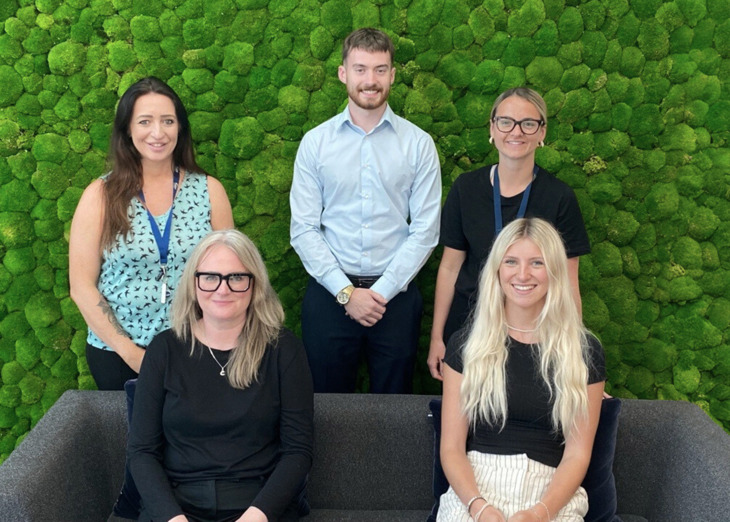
372 452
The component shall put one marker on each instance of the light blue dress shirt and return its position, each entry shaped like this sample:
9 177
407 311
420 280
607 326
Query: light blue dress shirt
365 203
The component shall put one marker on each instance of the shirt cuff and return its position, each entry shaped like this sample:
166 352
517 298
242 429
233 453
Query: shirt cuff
385 288
335 281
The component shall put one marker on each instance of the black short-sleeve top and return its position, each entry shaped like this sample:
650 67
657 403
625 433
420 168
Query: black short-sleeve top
528 428
467 220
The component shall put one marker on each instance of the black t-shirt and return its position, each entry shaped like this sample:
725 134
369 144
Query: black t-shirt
528 428
190 424
467 219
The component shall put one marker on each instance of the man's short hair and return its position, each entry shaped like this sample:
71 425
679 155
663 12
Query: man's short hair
369 40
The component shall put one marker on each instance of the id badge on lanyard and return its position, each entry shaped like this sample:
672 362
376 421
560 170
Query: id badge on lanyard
163 239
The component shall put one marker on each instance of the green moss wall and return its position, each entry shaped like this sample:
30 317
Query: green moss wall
640 119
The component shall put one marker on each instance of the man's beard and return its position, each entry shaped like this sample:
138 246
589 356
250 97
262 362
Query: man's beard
369 104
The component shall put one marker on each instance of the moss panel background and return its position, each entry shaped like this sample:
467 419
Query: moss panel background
639 106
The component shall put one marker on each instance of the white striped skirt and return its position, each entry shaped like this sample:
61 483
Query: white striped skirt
510 483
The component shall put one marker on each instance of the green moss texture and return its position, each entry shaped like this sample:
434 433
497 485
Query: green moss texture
638 96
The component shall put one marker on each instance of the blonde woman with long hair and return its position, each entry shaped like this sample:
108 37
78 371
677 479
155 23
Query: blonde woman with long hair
223 416
523 384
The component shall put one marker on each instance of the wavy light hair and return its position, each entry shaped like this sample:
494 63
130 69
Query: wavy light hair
562 348
264 316
125 179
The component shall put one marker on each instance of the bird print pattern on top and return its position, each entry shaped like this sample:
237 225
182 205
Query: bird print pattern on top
130 271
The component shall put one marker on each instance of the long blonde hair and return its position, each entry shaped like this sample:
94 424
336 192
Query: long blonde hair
264 316
562 346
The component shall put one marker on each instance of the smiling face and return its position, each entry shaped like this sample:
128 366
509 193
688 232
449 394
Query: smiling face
223 306
523 277
368 77
516 144
154 128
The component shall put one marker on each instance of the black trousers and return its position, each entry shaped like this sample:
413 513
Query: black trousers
335 343
108 369
219 500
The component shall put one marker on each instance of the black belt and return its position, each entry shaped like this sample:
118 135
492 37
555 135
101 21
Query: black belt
362 282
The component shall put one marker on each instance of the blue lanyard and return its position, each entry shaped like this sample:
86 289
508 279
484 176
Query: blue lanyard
163 239
498 200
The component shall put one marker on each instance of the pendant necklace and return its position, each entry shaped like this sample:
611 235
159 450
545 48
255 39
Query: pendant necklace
222 366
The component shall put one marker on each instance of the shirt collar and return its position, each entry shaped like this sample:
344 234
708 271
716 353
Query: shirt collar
346 119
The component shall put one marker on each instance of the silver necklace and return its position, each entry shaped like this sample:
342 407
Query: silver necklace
223 366
516 330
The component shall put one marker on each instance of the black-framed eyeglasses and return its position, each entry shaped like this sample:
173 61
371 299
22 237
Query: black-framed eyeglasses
528 125
211 281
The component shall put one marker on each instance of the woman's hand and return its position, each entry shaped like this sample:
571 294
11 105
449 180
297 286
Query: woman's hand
133 358
526 515
179 518
253 514
492 514
436 353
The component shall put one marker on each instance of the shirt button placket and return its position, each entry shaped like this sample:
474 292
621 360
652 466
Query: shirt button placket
366 177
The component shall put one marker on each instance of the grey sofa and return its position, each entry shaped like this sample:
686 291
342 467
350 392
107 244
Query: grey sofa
373 461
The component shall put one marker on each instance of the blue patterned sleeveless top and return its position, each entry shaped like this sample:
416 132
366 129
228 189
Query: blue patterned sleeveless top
129 270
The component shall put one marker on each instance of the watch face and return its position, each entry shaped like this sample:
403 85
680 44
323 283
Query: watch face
343 298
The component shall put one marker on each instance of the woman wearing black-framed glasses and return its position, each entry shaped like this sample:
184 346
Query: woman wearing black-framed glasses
222 423
470 219
236 281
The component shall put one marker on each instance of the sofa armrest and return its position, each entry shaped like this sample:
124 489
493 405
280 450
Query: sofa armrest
671 462
71 464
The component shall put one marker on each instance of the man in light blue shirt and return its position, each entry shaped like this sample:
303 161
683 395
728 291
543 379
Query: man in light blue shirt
365 204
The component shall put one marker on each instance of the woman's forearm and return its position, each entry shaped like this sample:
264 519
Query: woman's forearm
85 259
101 320
577 456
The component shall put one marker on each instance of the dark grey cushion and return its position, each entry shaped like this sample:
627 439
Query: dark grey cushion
599 482
371 452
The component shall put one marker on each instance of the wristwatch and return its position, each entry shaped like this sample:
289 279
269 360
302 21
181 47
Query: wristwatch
343 296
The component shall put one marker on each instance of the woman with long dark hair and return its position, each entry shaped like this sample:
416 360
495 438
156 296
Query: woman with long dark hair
135 227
